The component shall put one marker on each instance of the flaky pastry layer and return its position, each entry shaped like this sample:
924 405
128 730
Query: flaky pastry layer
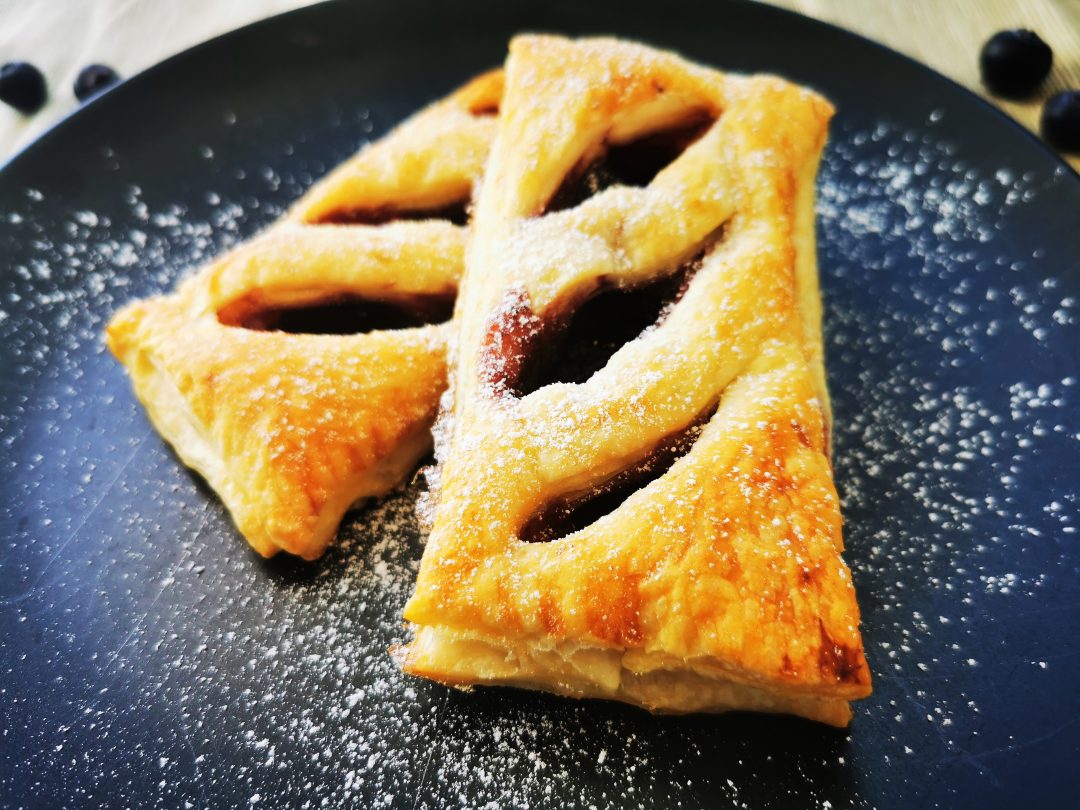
654 683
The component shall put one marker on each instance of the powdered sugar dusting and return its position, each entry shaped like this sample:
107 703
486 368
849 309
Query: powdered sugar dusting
178 665
937 468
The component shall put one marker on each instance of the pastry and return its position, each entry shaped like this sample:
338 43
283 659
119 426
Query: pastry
301 372
634 497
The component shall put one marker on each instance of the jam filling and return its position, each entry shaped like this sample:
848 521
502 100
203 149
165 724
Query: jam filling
340 315
456 213
581 343
513 336
634 163
564 516
523 352
484 110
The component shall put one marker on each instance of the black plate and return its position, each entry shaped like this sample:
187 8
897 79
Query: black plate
149 658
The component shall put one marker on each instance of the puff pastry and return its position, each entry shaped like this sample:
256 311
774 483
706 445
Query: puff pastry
662 527
240 368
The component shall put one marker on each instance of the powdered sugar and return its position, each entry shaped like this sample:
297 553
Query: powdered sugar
189 668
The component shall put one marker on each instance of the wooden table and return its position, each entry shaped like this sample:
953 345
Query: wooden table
947 35
61 36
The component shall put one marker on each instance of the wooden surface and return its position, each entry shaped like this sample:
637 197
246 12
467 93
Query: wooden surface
60 36
947 35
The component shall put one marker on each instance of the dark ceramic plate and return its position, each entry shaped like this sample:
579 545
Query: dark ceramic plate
148 658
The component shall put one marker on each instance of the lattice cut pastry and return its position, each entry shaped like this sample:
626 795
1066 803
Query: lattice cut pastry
635 498
253 368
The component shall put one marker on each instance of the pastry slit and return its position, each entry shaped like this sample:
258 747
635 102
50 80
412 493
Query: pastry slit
484 109
571 344
632 163
457 213
567 514
340 314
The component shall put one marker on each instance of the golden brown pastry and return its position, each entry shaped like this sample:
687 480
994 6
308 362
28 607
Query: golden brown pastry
635 499
250 368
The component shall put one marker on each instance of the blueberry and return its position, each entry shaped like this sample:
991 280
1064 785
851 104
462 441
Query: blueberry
22 86
92 79
1014 63
1061 121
